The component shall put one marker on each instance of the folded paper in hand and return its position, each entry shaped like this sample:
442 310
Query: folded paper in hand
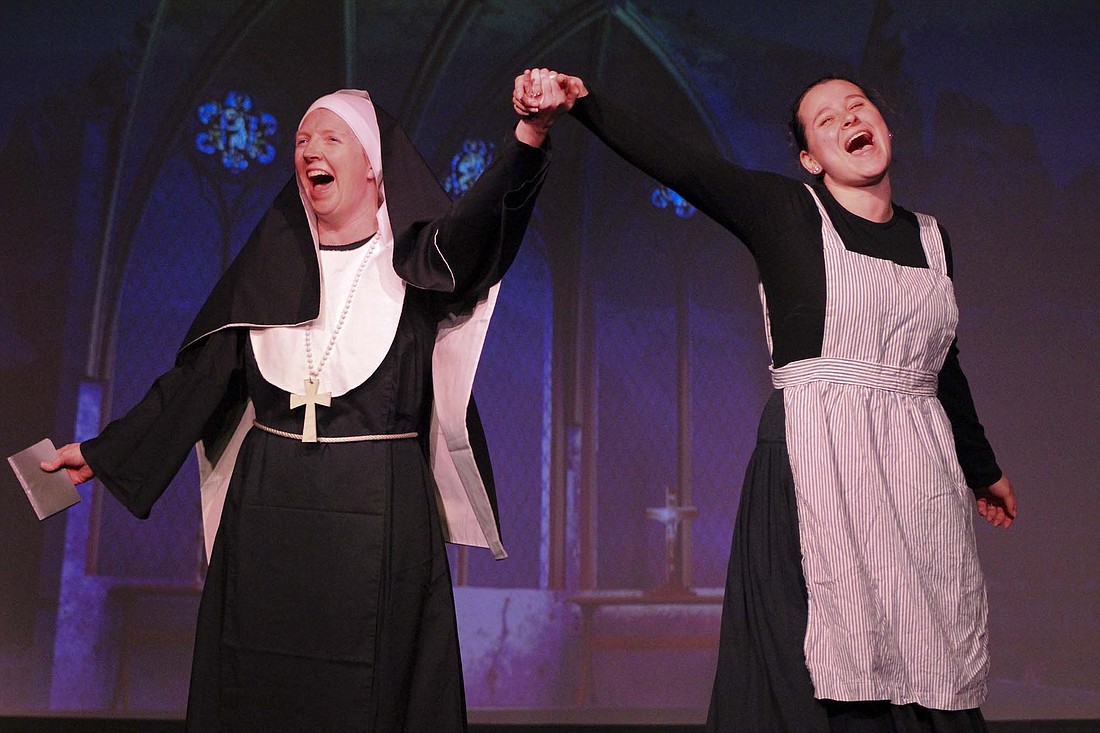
48 493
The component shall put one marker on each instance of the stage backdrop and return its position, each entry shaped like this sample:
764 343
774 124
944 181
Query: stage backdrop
626 367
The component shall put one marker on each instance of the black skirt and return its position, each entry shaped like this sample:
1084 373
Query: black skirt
762 684
328 602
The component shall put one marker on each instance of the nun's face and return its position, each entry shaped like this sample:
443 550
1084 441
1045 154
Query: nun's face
333 170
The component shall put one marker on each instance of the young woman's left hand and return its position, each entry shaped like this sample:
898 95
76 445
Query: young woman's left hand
997 503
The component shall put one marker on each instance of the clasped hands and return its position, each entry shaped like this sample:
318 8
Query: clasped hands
539 97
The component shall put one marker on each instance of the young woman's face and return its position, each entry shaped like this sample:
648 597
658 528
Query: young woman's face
333 169
846 136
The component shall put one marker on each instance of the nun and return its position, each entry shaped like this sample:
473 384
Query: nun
326 383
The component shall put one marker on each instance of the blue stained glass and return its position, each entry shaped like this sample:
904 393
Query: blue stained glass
467 166
234 133
267 154
207 112
663 197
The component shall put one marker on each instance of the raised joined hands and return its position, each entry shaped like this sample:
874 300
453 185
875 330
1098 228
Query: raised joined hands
539 97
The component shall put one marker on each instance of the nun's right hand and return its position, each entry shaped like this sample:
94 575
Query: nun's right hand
72 460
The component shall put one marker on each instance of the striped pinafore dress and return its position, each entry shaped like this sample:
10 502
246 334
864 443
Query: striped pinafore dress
897 604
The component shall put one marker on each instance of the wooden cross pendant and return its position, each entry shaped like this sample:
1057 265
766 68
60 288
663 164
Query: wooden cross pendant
310 399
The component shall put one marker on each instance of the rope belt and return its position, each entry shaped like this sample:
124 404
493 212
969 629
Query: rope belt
340 439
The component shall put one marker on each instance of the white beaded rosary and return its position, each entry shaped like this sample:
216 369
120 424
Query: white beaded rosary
311 399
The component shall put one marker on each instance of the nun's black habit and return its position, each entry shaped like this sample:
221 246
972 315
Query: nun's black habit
327 604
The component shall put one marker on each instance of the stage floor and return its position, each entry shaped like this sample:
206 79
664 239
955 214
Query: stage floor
106 725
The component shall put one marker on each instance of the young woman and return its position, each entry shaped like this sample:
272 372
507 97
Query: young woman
854 599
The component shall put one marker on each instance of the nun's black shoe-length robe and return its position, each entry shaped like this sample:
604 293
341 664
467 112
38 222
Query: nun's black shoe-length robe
327 605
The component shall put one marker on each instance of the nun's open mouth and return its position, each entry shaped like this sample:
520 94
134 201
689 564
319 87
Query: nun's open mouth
319 178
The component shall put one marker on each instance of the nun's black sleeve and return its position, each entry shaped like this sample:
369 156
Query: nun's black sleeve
137 455
469 249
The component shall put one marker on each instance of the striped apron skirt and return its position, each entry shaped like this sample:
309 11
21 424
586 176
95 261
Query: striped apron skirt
896 600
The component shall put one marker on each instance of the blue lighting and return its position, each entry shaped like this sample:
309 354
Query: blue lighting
234 132
663 197
89 402
467 166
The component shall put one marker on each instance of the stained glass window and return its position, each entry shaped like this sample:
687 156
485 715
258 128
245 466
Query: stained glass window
664 197
235 133
467 166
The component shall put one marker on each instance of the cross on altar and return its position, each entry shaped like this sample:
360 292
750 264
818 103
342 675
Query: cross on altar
672 515
310 399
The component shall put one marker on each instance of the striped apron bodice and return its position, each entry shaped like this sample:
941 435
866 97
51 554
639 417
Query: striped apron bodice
897 606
